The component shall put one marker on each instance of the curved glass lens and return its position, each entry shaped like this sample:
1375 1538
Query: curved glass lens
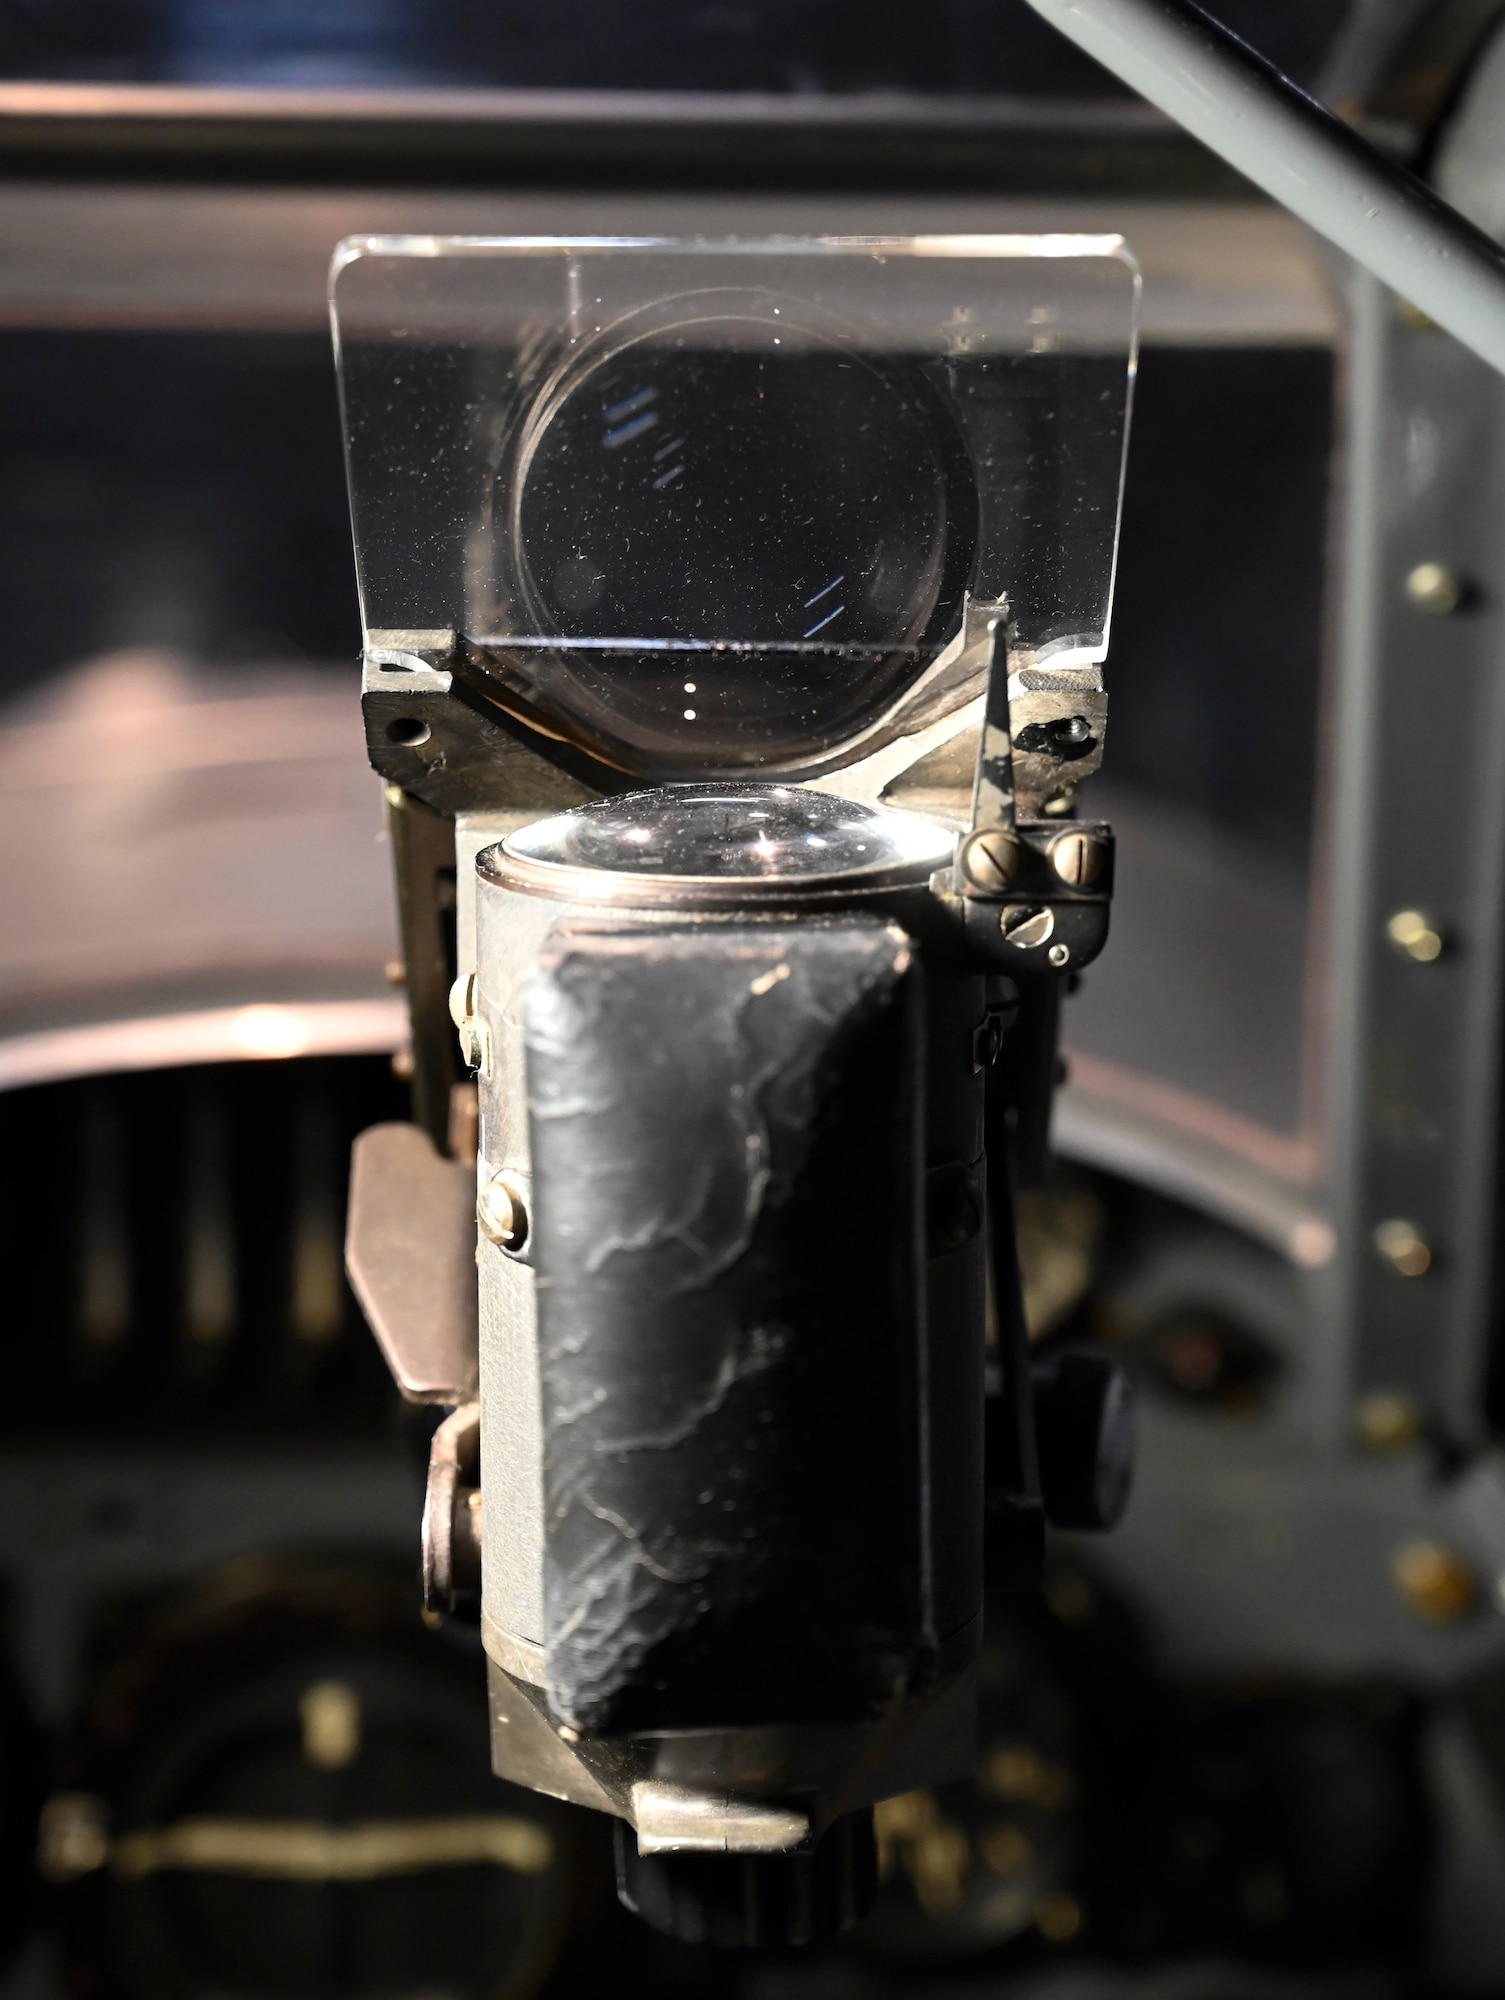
732 832
745 534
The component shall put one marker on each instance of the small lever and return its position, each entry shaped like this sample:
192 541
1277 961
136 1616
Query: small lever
988 853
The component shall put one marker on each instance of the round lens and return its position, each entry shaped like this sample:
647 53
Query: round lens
731 832
740 539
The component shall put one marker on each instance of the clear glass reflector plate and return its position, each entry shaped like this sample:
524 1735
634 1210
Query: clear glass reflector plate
742 505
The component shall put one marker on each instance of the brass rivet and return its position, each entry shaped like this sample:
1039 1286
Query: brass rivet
1386 1421
462 999
500 1212
1435 1581
330 1712
73 1836
1415 936
1434 588
1403 1247
1058 1916
1006 1850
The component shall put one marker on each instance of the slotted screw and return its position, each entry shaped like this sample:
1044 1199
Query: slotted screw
991 858
1077 858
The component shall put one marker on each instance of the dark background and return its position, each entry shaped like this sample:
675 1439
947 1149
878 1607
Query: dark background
967 47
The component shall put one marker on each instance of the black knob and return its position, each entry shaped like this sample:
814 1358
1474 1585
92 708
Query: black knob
754 1899
1085 1435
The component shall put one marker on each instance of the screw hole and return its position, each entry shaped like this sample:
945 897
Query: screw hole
408 730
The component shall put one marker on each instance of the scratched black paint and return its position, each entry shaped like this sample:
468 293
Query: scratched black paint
727 1133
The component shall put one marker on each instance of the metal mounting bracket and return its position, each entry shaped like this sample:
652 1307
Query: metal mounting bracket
1035 890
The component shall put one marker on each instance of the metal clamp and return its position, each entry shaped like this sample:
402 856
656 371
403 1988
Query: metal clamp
1035 890
452 1512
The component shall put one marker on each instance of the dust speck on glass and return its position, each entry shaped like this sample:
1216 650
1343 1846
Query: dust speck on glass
736 506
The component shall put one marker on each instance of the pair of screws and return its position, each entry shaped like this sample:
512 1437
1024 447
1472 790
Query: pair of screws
992 858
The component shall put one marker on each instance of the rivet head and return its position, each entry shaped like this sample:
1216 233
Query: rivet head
1435 1581
1077 858
1403 1247
1386 1421
1415 936
1024 925
1058 1916
501 1213
462 999
990 859
1434 588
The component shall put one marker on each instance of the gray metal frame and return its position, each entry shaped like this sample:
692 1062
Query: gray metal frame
1418 824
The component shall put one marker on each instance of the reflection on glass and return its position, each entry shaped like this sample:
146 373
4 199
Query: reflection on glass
746 534
733 832
731 506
